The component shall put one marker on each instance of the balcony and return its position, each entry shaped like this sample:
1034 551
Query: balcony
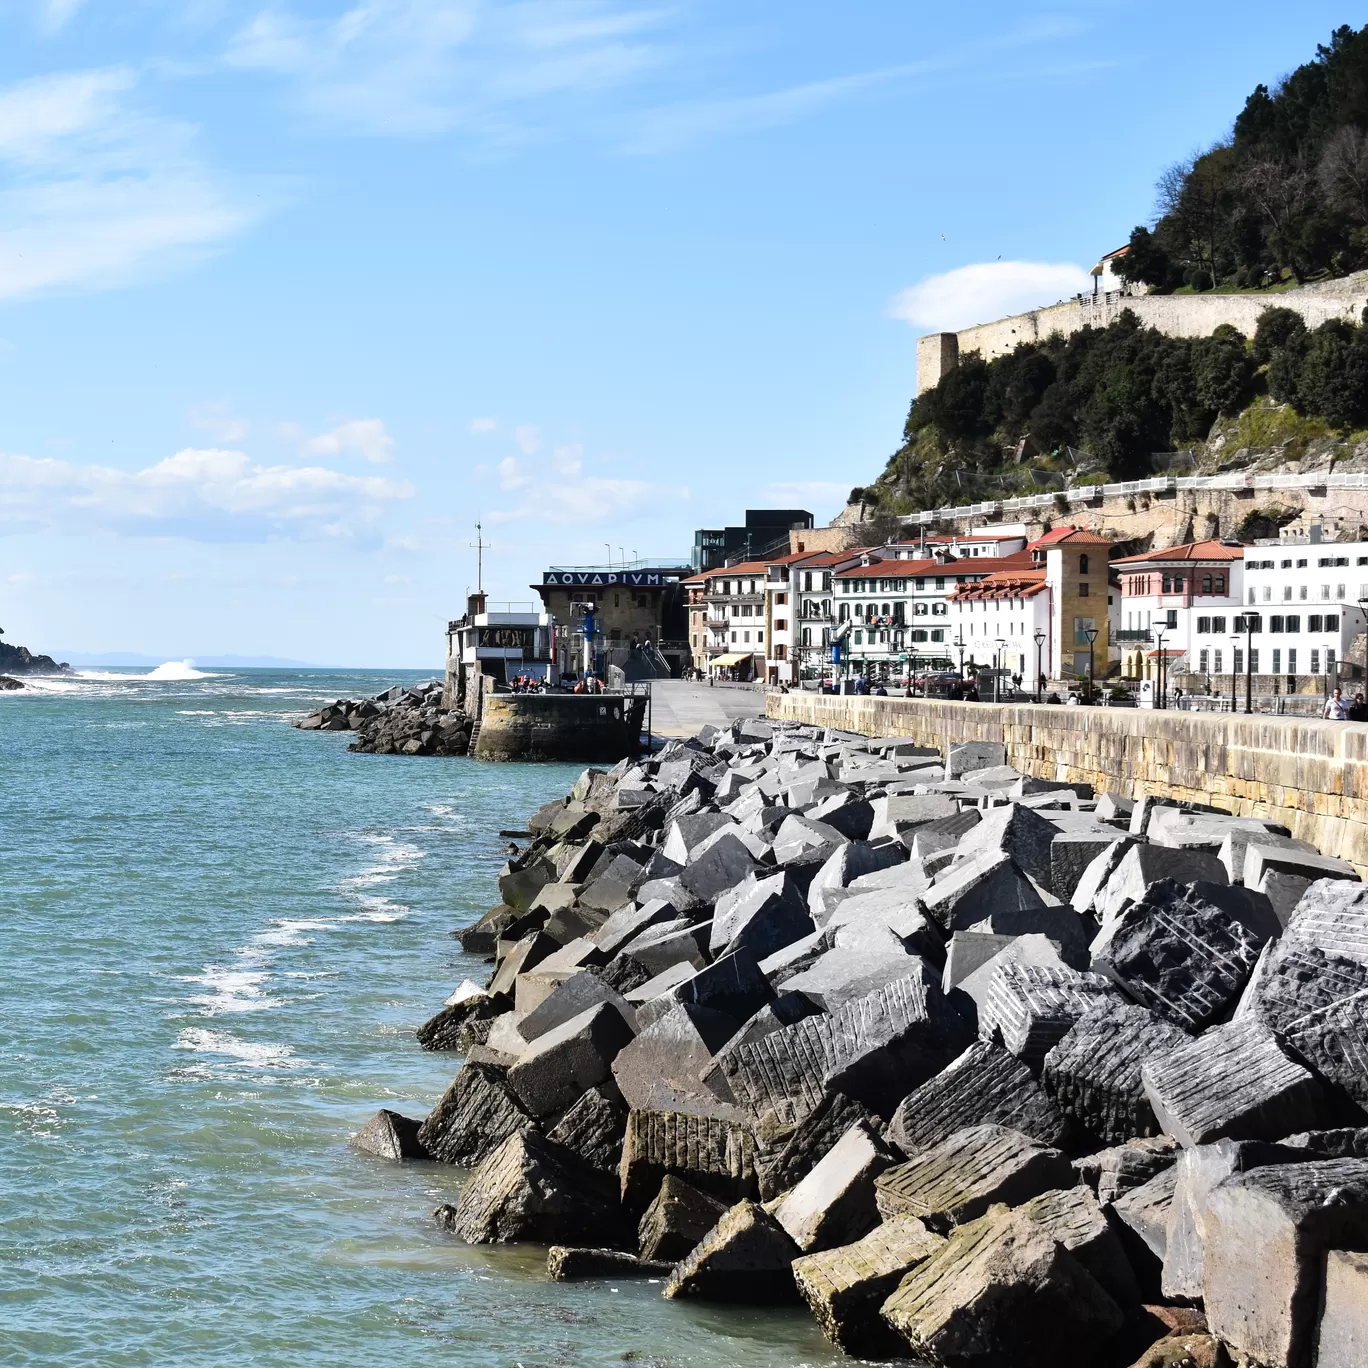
1140 636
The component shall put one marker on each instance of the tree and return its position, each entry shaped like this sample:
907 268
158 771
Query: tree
1222 372
1274 330
1342 174
1147 263
1332 382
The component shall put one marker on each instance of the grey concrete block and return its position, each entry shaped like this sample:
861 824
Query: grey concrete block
1143 865
849 862
990 887
760 914
712 1154
983 1086
843 975
1023 834
679 1217
664 1067
1238 840
1032 1007
475 1115
834 1203
959 1179
1233 1082
732 984
1261 859
786 1161
1094 878
1071 852
722 866
557 1067
593 1128
388 1135
746 1257
972 755
1118 1168
968 951
577 994
1074 1217
1342 1336
685 833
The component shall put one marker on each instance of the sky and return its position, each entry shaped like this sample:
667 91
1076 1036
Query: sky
293 295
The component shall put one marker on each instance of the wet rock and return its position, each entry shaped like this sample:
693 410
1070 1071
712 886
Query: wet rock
1033 1007
532 1189
517 887
593 1128
1093 1074
985 1086
785 1164
678 1218
1178 953
1003 1290
566 1263
959 1179
834 1204
1268 1232
445 1030
711 1154
388 1135
557 1067
747 1257
476 1114
1235 1081
481 938
845 1287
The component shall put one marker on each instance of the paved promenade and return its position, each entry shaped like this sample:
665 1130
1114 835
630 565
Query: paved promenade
681 706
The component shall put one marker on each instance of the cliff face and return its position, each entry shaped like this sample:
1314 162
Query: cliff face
19 660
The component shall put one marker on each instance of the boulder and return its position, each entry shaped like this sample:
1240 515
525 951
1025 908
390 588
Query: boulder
746 1257
1072 853
842 975
846 813
1342 1337
557 1067
711 1154
1037 950
723 865
530 1189
784 1163
566 1263
886 918
685 834
834 1204
679 940
627 923
898 814
845 1287
1268 1232
1142 1214
579 993
593 1128
476 1114
1003 1290
851 861
732 984
678 1218
526 954
1235 1081
985 1086
988 888
1179 953
1023 834
968 951
959 1179
1238 840
517 887
1095 876
1034 1007
1334 1041
388 1135
1093 1074
1261 860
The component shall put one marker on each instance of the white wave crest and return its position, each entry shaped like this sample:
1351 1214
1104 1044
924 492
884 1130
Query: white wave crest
263 1054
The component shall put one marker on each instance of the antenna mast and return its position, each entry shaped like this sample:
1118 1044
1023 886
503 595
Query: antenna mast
481 546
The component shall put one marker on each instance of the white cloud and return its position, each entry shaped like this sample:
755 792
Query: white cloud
555 490
426 66
985 291
97 192
207 494
54 14
219 421
528 438
481 425
364 436
568 459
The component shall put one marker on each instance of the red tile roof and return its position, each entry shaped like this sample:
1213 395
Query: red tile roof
1074 536
894 568
1018 584
1189 551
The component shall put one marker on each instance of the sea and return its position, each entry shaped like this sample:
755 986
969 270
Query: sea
217 935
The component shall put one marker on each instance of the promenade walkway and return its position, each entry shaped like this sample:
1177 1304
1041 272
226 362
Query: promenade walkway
679 707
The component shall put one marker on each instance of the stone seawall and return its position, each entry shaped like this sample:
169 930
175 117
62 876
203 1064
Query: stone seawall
1308 775
559 726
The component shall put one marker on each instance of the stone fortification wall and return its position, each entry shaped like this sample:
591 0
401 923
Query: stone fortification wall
559 726
1174 315
1310 776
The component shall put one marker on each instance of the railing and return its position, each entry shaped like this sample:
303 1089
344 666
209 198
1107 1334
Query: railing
1137 635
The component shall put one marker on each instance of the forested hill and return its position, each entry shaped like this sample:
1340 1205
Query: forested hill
1282 201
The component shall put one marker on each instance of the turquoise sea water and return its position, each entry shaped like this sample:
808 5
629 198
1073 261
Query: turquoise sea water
218 934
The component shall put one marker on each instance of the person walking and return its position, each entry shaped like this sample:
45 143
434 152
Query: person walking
1336 709
1358 710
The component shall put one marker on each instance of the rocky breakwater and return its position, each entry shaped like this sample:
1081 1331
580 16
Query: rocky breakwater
986 1071
400 721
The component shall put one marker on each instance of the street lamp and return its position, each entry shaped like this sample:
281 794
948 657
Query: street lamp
1252 624
1091 634
1234 675
1159 666
997 670
1040 669
959 641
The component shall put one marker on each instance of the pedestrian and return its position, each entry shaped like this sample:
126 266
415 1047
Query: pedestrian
1358 712
1336 710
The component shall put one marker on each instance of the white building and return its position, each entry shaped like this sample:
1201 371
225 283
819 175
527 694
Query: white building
891 613
1310 599
1005 539
812 599
735 618
1182 601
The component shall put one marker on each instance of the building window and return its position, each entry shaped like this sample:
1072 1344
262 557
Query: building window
918 635
733 638
1325 591
1313 624
938 634
1339 592
1171 618
1217 665
1315 662
1220 588
1275 624
1218 624
781 599
859 638
1206 589
1292 662
1294 622
1287 594
781 624
1082 591
807 636
745 636
1203 625
1239 660
1301 593
940 581
1254 660
1083 565
1277 661
1332 622
1268 593
1252 599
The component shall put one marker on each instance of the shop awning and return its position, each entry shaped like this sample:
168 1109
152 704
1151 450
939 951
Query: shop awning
728 661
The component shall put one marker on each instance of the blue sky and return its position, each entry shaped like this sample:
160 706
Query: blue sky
292 295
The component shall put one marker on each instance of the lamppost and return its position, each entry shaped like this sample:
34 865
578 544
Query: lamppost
1091 634
1252 624
1234 673
959 641
1159 667
997 670
1040 669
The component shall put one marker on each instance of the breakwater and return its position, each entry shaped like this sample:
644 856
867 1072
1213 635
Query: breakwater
1310 776
983 1068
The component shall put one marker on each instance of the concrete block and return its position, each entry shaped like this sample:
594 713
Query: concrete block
901 813
885 919
1033 1007
678 1218
845 1287
1234 1081
984 1086
834 1204
785 1162
847 813
526 954
968 951
1071 853
1074 1217
624 925
388 1135
663 1068
1342 1338
760 914
746 1257
593 1128
567 1263
1143 865
849 862
1099 870
579 993
711 1154
972 755
991 887
971 993
843 975
1238 840
685 833
1268 1232
557 1067
1119 1168
958 1180
1003 1290
1023 834
724 865
732 984
475 1115
1260 859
